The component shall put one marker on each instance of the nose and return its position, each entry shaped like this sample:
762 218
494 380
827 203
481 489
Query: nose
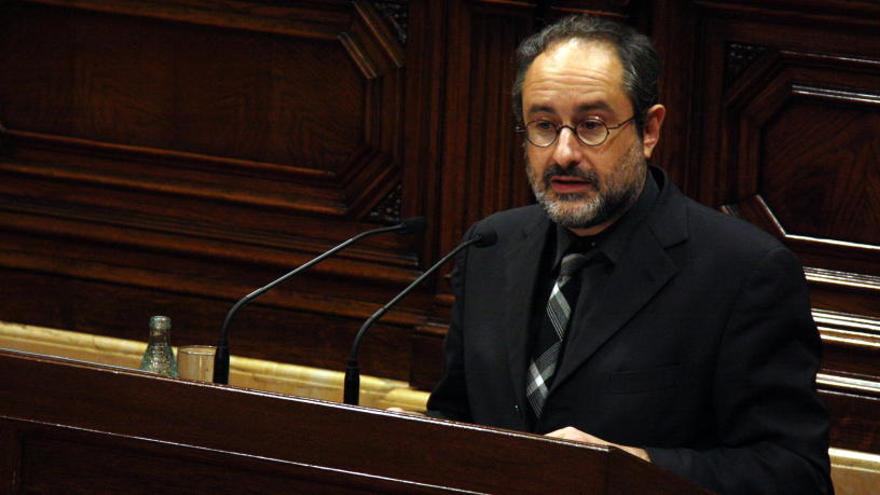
567 149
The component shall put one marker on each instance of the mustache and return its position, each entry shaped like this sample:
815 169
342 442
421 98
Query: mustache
556 170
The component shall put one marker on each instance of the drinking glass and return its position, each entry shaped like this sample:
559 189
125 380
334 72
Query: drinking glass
196 362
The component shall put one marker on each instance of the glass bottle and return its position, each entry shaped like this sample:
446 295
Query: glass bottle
159 358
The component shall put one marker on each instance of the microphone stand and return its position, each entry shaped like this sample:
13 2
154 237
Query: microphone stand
352 384
221 358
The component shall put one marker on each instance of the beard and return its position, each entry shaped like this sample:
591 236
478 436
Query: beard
613 196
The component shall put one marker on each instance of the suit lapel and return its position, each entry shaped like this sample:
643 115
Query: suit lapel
640 273
521 271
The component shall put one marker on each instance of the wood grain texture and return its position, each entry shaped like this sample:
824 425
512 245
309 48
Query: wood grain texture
129 82
808 148
173 156
483 168
779 130
854 423
317 108
68 410
74 462
809 191
851 345
10 458
267 329
838 12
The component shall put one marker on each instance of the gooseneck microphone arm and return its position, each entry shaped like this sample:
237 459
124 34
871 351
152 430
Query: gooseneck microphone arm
351 390
221 358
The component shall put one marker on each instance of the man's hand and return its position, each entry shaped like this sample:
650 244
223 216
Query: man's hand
404 411
572 433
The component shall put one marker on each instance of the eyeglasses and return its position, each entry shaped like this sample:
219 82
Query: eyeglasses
591 132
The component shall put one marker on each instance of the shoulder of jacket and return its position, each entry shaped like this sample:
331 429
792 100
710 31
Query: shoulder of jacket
728 233
515 219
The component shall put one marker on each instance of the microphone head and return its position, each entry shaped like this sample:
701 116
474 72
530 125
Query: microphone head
486 237
412 225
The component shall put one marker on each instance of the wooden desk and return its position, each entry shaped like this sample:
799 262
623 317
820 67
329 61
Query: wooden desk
74 427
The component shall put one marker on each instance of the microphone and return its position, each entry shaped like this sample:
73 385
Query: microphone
412 225
351 390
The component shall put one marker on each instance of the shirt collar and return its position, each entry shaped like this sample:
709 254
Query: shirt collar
612 241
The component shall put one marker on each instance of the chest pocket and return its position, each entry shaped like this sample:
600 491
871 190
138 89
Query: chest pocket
644 380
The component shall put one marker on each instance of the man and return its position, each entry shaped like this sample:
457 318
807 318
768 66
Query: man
617 310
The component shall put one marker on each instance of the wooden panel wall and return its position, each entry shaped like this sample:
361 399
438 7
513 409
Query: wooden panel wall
775 119
778 122
169 157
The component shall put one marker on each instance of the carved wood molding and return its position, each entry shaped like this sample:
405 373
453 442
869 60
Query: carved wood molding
738 57
388 210
867 328
108 164
244 235
853 402
148 232
205 263
320 20
817 11
350 188
850 345
755 210
147 193
397 13
843 96
779 85
199 283
844 384
615 9
846 279
853 418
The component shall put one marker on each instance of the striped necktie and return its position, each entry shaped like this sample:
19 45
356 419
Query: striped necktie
559 308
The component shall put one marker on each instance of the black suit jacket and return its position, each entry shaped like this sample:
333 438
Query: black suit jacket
701 348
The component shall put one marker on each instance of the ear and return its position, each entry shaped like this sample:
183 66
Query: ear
653 123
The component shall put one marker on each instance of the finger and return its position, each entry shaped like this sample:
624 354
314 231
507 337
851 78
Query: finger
560 433
571 433
404 411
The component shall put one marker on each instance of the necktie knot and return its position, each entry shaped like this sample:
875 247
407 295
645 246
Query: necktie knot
571 263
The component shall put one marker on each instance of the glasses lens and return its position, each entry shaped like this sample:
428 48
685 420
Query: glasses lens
541 132
592 132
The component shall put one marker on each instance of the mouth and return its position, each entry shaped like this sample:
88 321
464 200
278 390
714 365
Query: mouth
568 184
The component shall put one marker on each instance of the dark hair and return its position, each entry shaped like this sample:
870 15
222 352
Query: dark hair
641 65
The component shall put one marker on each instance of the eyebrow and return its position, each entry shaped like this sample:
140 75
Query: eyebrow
599 105
540 108
586 107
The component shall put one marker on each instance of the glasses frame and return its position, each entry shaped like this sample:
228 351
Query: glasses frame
523 129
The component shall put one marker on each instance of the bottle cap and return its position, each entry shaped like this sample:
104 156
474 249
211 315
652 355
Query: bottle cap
160 323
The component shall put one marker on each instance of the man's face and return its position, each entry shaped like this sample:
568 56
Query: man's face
582 187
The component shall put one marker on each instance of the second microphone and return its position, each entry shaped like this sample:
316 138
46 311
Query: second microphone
351 393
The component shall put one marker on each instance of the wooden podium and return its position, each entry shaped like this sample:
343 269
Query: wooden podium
74 427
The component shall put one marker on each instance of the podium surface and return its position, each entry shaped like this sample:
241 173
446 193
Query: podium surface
74 427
